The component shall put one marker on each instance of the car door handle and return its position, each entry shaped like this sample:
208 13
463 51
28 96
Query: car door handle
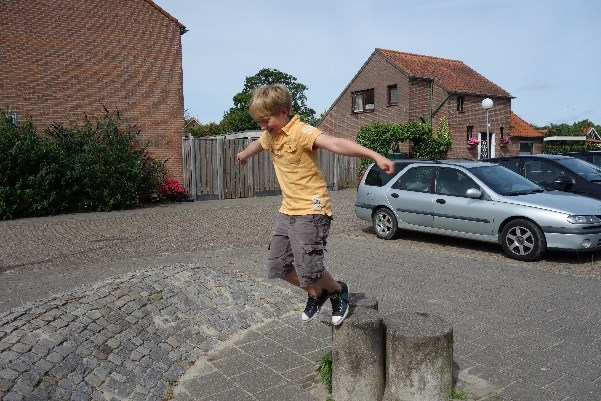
441 201
394 195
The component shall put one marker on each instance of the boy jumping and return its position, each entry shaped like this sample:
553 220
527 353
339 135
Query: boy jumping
297 247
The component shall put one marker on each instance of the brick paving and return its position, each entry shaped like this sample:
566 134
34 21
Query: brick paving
169 303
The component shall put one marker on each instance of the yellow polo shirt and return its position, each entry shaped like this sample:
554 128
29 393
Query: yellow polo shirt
304 188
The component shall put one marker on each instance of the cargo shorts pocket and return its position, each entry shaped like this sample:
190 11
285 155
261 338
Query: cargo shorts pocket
313 260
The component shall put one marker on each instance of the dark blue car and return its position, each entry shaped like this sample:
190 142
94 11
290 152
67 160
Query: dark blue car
556 172
591 156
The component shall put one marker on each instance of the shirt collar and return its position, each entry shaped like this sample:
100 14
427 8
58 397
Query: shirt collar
288 127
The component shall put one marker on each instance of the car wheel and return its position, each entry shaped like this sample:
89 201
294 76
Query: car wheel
385 223
523 240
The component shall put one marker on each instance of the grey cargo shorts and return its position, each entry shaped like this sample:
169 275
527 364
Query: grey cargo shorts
299 242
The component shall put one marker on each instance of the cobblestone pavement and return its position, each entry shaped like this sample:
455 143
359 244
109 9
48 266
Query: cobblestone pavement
133 337
169 303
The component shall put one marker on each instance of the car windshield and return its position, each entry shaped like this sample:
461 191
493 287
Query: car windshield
584 169
504 181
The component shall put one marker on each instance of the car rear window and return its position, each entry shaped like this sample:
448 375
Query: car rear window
511 164
377 178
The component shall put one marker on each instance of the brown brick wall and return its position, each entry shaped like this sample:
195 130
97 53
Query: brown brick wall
414 100
65 59
377 74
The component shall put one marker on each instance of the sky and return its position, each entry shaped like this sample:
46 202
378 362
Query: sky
545 53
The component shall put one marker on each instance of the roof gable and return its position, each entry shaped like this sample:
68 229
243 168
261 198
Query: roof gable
452 75
166 14
520 128
593 134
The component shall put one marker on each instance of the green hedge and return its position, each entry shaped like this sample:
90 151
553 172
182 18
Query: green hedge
89 167
380 136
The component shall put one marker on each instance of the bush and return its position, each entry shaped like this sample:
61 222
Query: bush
89 167
379 137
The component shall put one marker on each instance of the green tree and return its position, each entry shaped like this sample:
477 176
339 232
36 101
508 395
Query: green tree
576 129
570 130
210 129
237 117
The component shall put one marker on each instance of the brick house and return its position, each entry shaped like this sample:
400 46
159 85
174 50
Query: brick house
526 138
393 87
65 59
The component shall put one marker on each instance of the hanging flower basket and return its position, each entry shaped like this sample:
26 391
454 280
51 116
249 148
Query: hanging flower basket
504 141
472 142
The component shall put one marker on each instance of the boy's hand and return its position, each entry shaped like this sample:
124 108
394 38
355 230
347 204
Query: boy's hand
386 165
240 159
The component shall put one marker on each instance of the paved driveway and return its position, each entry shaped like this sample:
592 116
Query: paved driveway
523 331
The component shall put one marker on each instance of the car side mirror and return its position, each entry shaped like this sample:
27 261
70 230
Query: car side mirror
564 180
473 193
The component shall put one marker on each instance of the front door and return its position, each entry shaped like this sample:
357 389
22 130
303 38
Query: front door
487 145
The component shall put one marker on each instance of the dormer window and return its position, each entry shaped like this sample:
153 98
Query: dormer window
363 101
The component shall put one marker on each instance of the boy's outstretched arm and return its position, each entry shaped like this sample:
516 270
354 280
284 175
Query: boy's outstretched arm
254 148
346 147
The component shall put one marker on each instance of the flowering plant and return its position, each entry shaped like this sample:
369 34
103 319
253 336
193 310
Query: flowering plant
172 190
473 141
504 140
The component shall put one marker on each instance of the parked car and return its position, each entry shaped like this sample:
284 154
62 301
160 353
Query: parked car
477 201
556 172
591 156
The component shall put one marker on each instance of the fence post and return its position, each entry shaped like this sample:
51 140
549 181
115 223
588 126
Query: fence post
193 155
249 172
220 175
336 171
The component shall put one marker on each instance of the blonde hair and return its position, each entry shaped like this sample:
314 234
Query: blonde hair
269 100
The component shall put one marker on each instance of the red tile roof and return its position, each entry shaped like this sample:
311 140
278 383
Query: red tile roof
452 75
520 128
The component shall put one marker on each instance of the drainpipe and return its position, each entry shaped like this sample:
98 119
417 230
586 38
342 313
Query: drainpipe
433 112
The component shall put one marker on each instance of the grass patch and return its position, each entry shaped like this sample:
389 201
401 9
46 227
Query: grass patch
460 395
324 371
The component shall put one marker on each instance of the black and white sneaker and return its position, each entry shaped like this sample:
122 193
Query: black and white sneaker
314 305
340 304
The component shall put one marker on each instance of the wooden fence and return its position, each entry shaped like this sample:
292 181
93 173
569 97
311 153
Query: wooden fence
211 170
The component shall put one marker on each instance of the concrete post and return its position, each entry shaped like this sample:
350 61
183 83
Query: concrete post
419 357
358 359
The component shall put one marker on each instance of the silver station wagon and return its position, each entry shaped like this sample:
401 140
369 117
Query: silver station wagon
478 201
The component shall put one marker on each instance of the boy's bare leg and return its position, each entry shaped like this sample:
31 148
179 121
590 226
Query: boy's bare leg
326 281
317 296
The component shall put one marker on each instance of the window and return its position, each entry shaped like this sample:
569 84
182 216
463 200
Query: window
418 179
512 164
470 132
460 100
376 177
363 101
526 147
453 182
542 173
393 95
501 129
